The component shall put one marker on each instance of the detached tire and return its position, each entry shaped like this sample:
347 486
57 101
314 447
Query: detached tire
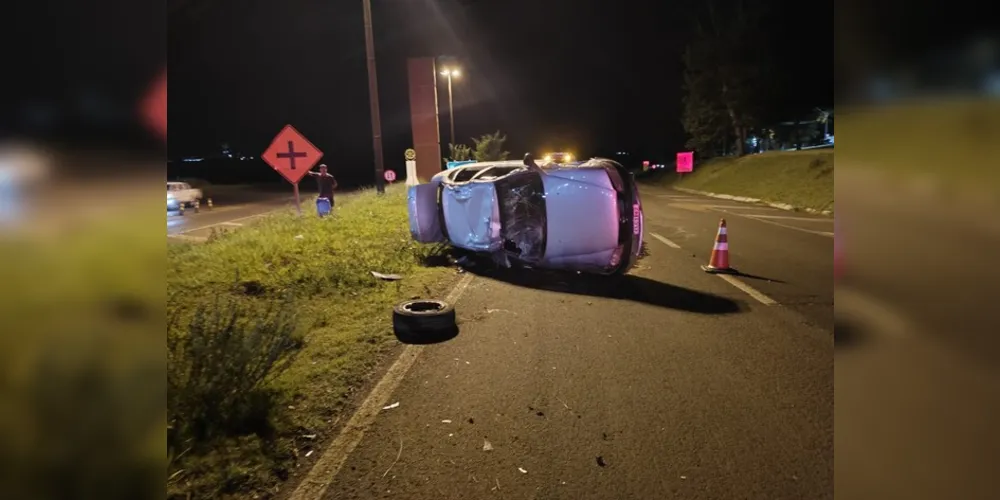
423 321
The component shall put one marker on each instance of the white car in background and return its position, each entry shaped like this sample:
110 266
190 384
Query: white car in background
181 193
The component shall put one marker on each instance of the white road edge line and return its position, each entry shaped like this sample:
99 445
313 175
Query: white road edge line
790 217
318 479
745 216
665 241
751 291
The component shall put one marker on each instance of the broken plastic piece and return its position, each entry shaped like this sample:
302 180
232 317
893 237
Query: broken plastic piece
446 421
387 277
522 470
394 405
487 446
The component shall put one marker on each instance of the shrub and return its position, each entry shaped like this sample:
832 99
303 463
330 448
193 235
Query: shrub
219 366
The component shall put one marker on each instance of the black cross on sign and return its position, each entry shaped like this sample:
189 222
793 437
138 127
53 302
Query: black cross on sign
292 154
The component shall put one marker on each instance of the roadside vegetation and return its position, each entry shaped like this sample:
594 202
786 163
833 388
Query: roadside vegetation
271 329
487 147
803 179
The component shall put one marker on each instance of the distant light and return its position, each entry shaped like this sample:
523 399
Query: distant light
192 159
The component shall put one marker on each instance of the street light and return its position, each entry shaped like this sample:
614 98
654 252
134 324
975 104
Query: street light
451 73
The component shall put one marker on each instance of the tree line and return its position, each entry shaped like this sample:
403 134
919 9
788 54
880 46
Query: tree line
729 86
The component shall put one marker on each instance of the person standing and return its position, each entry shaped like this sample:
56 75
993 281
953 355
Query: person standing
327 183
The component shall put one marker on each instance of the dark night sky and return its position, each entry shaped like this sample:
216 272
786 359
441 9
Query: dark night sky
591 77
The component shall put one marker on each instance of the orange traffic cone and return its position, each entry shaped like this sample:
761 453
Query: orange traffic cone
719 262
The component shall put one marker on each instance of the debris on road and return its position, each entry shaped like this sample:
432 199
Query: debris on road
446 421
522 470
601 462
397 458
487 446
491 311
299 237
310 452
387 277
309 436
394 405
684 477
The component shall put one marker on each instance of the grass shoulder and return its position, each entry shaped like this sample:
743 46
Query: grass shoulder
803 179
304 302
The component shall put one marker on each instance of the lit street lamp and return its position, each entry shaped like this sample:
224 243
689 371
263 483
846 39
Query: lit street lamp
451 72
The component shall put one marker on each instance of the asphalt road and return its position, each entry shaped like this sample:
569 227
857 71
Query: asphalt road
671 383
232 207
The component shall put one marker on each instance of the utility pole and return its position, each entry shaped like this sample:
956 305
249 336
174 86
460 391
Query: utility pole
373 95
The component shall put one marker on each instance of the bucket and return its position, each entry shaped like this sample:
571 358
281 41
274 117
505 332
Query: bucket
323 206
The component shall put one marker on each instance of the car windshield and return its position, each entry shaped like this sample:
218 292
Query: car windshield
521 197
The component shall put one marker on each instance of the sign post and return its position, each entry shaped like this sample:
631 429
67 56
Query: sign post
685 162
292 156
411 167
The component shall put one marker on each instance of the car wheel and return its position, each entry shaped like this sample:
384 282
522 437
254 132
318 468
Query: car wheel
422 321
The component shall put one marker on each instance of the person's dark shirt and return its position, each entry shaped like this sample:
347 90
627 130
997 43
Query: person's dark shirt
326 184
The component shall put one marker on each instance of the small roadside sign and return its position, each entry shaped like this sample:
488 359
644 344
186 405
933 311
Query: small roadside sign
685 162
390 175
410 154
292 156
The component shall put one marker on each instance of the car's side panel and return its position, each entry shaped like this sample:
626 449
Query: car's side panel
582 209
472 216
422 203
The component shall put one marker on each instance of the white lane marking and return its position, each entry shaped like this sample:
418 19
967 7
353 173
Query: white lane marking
789 217
758 219
665 241
744 207
230 221
751 291
199 239
316 482
678 197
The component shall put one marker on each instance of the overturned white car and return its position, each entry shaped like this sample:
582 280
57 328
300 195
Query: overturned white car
582 216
